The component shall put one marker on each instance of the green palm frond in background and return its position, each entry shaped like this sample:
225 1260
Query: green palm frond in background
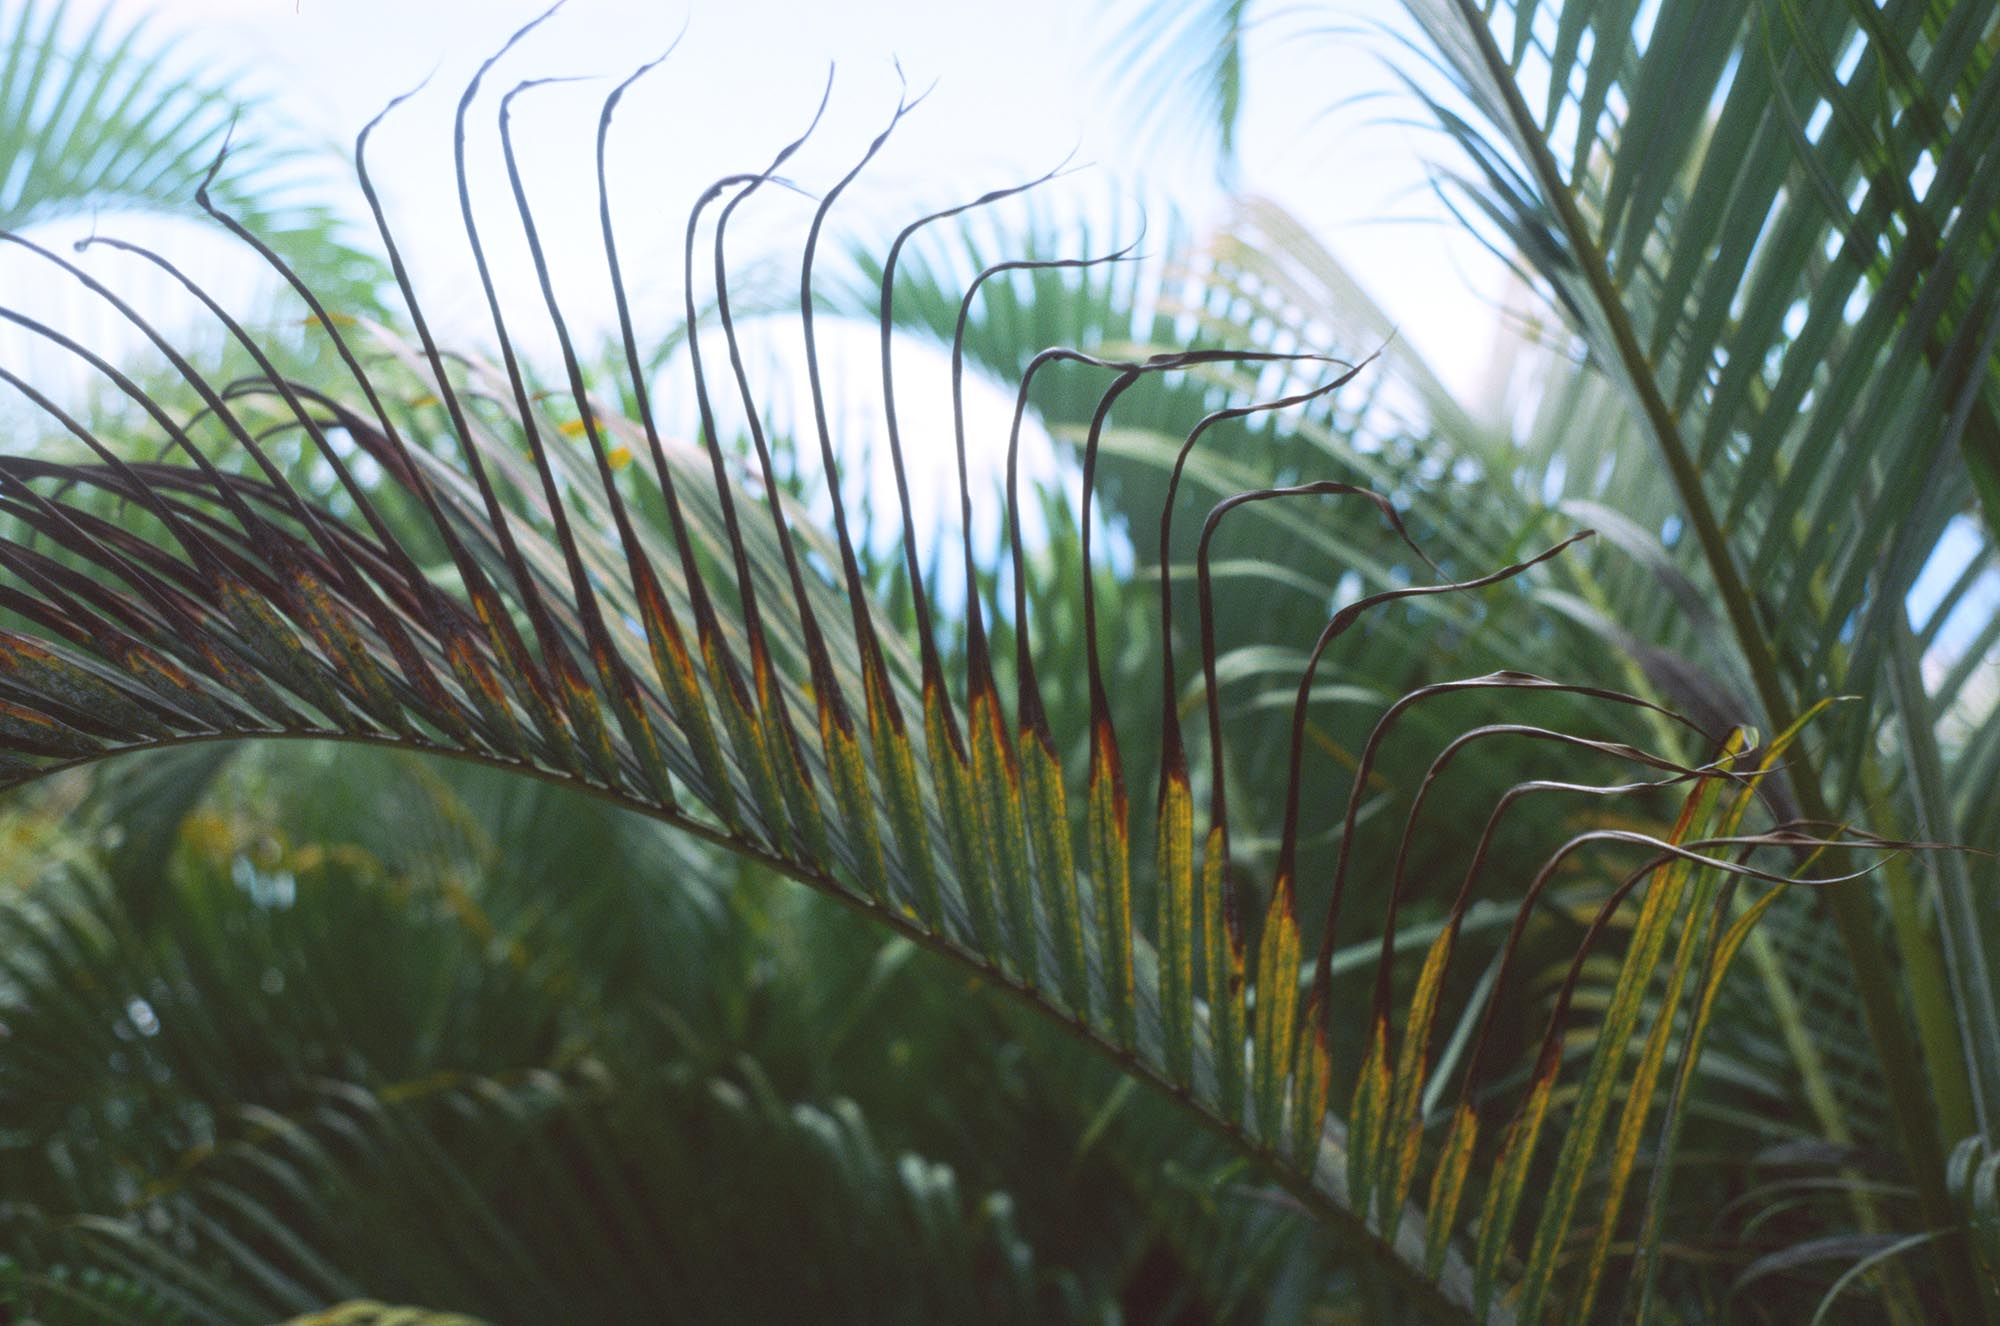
1767 231
96 119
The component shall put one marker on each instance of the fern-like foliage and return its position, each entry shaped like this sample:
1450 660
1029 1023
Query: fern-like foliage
538 582
99 118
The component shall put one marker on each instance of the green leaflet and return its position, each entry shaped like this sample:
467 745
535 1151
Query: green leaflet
46 669
1454 1163
1725 953
238 679
32 729
519 670
1277 1013
1632 1119
1222 954
998 789
1645 1077
856 799
1832 424
1403 1137
653 781
1314 1086
367 1312
897 760
343 647
808 826
1004 812
1721 956
747 738
159 672
1399 1142
1367 1117
586 719
479 683
1046 805
962 831
682 687
1173 872
439 709
1111 872
1505 1185
279 648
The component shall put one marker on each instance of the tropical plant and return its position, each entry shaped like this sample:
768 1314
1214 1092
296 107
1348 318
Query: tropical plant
327 1070
1765 233
106 120
514 591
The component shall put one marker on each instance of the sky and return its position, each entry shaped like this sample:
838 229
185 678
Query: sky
1013 90
1327 131
1016 87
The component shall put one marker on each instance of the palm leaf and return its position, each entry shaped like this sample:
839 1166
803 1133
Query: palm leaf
398 934
722 668
1801 314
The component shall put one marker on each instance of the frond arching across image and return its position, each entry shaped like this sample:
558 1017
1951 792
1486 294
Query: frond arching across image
547 583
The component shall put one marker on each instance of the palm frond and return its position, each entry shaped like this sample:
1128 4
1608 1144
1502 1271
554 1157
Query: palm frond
1198 48
676 638
1773 232
381 932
